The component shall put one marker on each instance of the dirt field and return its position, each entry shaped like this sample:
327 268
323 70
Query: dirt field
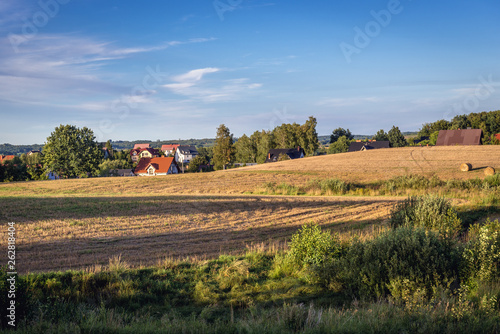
78 232
78 223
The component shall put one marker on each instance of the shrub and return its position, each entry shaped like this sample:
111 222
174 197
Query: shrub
431 212
406 182
482 252
393 260
492 180
311 246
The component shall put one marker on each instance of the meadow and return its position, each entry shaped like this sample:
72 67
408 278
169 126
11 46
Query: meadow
201 252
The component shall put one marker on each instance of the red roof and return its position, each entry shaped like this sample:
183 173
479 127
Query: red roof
141 146
6 157
497 136
161 165
169 147
153 151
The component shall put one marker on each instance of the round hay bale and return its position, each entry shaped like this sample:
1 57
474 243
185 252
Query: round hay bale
489 171
465 167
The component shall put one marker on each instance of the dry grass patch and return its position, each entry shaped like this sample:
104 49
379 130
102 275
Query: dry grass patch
79 232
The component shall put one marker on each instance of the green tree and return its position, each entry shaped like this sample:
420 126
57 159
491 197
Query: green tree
428 128
224 152
265 142
380 136
109 147
196 163
72 152
341 145
396 138
339 132
459 122
13 170
207 152
433 138
245 151
309 136
287 135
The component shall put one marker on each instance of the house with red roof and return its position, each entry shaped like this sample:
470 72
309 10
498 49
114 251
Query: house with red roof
156 166
138 146
4 158
169 149
139 153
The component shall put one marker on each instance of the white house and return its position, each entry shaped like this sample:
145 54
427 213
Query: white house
184 154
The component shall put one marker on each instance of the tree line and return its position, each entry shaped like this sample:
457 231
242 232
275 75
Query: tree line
71 152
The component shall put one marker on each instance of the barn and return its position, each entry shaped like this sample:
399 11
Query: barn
459 137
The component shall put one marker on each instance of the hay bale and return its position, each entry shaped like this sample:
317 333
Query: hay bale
465 167
489 171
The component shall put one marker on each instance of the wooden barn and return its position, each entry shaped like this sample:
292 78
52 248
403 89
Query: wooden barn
459 137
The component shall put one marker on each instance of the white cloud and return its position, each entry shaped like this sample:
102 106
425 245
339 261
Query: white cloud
344 102
54 68
194 75
191 84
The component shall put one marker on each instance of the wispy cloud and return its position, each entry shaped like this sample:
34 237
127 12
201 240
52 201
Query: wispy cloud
56 67
344 102
191 84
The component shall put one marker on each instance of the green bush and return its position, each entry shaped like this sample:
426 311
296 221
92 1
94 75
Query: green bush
482 252
332 186
402 261
310 246
430 212
409 182
493 180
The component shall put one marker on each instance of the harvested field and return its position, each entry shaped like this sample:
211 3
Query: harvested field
381 164
360 167
77 223
78 232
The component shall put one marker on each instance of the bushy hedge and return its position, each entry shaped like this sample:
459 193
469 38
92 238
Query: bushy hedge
431 212
482 252
403 258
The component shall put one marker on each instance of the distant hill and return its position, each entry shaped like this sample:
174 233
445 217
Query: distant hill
7 149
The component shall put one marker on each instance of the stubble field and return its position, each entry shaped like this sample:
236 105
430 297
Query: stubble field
80 223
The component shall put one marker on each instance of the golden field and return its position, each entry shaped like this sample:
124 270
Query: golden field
80 223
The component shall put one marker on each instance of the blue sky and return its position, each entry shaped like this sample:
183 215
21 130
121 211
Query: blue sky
176 69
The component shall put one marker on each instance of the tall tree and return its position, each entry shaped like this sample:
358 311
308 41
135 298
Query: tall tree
380 135
309 139
245 151
71 152
339 132
224 152
265 142
109 147
396 138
